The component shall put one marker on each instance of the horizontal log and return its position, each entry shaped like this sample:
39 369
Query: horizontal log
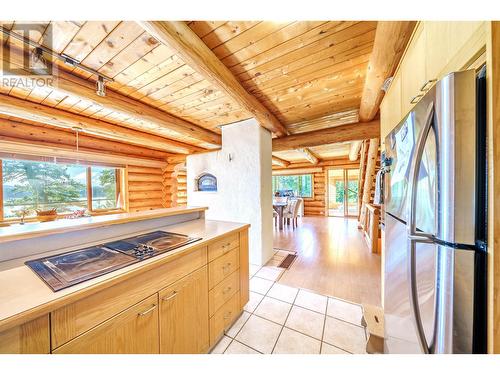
174 159
314 211
50 136
72 85
146 203
24 109
16 147
135 169
309 204
142 186
145 208
292 171
281 162
145 177
138 195
342 133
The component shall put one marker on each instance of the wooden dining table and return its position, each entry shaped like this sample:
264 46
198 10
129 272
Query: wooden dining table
279 207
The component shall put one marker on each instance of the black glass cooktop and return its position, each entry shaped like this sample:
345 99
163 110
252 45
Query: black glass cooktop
64 270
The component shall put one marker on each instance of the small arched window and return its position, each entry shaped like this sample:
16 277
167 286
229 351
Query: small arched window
206 182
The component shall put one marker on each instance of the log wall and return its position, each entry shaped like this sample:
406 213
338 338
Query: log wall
317 205
148 187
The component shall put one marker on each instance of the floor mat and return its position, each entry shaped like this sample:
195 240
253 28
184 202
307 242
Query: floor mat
287 262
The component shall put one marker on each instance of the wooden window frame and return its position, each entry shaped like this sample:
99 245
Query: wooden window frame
303 174
119 188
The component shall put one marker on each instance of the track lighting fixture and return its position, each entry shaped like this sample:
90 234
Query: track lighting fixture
100 87
38 62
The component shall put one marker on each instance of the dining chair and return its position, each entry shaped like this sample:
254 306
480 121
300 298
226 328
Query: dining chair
275 217
293 212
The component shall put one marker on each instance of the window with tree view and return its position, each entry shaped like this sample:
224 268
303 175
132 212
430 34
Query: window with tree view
301 185
29 186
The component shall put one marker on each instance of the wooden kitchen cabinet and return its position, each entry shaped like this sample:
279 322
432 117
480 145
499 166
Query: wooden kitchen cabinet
436 49
135 330
390 109
413 71
184 315
28 338
449 46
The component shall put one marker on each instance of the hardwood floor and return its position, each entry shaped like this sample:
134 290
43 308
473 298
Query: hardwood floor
333 259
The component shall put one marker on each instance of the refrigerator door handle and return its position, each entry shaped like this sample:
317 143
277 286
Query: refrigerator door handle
413 235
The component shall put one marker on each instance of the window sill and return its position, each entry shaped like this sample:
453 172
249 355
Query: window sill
34 219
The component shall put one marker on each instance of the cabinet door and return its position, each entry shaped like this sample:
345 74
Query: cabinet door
439 49
412 71
390 109
134 331
28 338
184 315
448 47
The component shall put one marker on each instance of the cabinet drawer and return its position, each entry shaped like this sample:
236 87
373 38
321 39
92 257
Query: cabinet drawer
133 331
223 292
223 246
222 267
224 317
74 319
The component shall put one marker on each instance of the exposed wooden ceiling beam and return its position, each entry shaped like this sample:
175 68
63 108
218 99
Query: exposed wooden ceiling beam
281 162
24 109
309 155
46 134
12 147
200 57
354 150
391 38
342 133
75 86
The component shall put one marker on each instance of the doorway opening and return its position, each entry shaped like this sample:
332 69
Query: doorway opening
342 186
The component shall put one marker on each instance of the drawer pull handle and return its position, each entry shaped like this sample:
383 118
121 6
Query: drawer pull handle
227 290
147 311
426 84
416 98
173 295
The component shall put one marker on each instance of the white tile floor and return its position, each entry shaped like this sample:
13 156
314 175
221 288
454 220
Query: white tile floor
280 319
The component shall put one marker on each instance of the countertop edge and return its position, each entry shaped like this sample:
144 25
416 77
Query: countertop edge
45 308
75 225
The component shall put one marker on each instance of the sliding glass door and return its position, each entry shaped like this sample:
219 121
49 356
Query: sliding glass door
343 192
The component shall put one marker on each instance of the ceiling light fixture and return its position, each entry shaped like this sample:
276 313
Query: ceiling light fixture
38 62
386 84
39 53
100 87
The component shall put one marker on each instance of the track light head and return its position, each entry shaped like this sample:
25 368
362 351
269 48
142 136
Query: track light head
100 87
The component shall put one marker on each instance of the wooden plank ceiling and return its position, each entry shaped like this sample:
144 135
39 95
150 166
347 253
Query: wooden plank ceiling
310 75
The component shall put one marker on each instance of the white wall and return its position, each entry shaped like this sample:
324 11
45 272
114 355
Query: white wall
244 184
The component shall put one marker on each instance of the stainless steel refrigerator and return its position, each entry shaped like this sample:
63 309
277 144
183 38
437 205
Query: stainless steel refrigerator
435 222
